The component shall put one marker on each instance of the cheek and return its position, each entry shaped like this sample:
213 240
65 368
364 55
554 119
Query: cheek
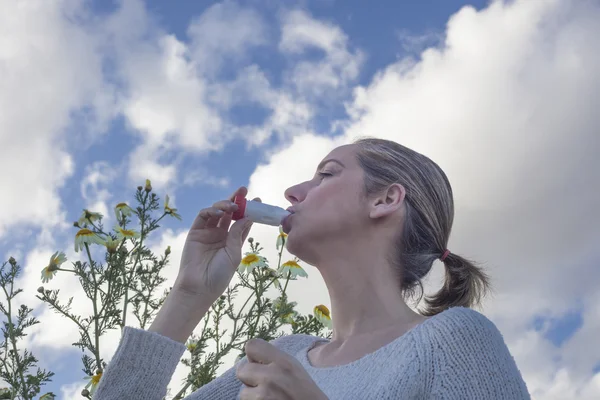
331 212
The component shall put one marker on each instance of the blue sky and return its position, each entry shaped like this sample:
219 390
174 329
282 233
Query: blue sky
203 97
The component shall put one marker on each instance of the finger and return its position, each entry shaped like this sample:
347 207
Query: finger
212 222
252 393
246 229
261 351
229 208
252 374
209 217
242 192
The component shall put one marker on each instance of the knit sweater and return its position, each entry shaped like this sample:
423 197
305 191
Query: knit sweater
457 354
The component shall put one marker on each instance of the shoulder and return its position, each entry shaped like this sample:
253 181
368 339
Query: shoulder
458 322
466 331
470 355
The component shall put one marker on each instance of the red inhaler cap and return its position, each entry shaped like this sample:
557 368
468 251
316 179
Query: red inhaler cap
241 203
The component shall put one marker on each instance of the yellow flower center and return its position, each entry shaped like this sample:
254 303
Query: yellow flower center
84 232
96 379
249 259
291 264
324 310
51 268
121 205
127 232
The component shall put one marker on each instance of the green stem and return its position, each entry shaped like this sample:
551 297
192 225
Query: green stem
96 317
107 299
13 341
127 280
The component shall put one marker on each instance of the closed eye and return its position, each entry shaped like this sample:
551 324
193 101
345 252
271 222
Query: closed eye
324 174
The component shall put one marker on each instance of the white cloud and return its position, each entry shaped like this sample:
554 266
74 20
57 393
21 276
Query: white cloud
338 67
50 70
225 31
415 44
196 176
95 189
506 107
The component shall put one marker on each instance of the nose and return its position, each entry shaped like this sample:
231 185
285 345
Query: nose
295 194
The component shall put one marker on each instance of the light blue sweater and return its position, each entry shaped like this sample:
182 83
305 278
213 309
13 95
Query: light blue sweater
458 354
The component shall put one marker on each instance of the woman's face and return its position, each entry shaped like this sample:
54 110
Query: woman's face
330 208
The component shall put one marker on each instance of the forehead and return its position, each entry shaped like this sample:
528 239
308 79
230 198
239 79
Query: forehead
346 154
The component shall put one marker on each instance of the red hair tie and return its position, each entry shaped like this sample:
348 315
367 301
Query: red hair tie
443 257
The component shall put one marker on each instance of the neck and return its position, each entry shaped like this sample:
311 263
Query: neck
365 294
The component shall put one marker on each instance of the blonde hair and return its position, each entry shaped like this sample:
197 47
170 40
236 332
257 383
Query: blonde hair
429 215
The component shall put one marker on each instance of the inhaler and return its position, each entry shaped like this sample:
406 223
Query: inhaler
259 212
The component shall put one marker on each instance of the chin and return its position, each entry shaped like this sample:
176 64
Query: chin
304 249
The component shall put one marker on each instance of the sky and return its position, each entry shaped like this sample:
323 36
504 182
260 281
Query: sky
203 97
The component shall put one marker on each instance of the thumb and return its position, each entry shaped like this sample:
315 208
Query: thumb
240 230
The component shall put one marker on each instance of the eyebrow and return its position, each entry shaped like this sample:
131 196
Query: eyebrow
325 162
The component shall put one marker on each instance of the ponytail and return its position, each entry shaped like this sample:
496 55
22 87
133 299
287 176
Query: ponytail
465 285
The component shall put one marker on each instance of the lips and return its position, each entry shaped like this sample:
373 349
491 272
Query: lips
286 224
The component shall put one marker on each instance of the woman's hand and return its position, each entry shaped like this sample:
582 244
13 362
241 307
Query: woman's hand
211 255
271 374
212 250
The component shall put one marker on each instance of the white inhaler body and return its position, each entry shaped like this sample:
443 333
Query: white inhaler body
259 212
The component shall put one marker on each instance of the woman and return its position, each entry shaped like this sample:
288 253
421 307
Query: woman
373 219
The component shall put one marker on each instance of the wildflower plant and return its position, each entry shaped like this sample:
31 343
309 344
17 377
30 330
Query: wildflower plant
18 366
126 281
120 276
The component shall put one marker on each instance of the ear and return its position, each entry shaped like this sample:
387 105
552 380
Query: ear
388 202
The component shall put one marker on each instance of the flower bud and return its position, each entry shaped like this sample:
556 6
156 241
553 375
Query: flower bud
223 297
139 188
12 261
250 240
148 187
76 224
40 290
85 393
168 250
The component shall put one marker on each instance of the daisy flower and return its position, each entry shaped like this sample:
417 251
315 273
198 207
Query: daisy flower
271 273
191 346
281 238
169 210
112 244
55 262
123 233
122 210
322 315
88 217
148 187
86 236
289 316
278 303
251 261
93 383
293 268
